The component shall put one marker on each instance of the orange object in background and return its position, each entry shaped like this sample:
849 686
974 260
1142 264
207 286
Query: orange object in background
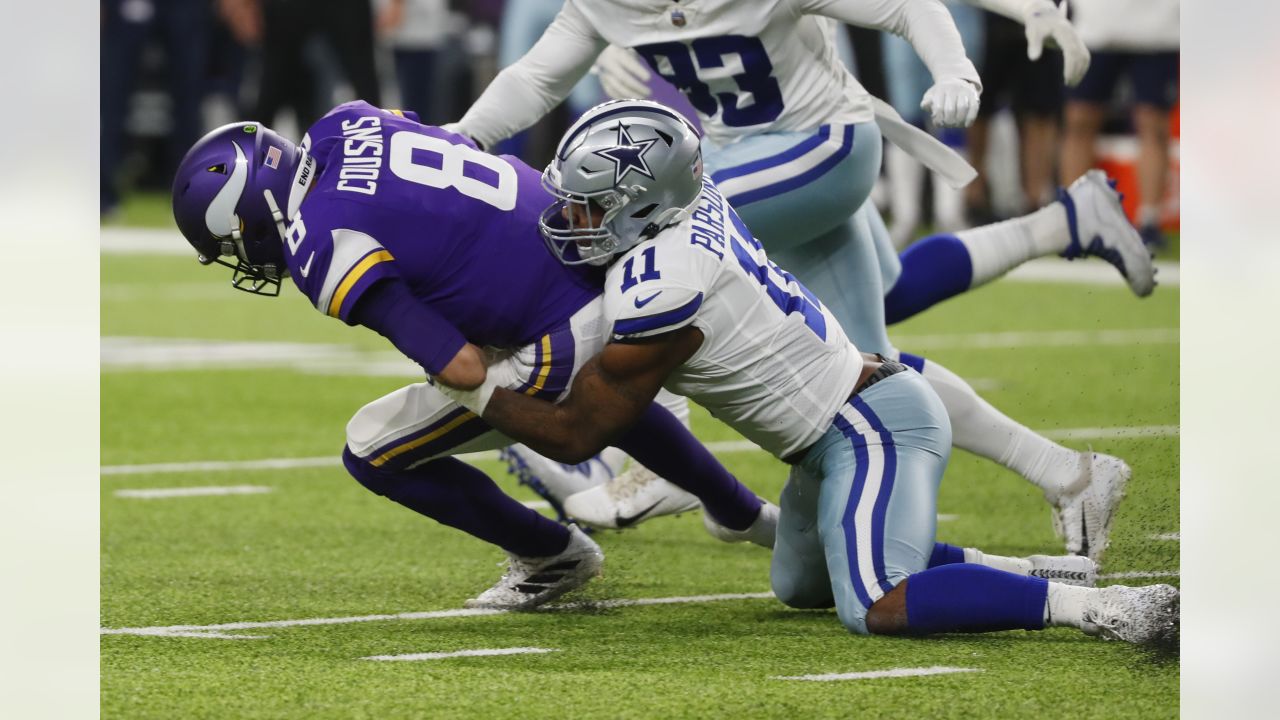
1118 156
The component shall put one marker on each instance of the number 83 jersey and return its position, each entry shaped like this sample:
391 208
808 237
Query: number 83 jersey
774 364
742 65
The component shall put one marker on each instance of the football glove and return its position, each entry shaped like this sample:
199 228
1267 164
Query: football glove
623 75
952 102
1044 21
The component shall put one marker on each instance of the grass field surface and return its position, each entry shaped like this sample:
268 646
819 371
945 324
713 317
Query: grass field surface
199 377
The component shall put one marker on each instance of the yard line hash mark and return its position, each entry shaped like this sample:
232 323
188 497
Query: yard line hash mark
1168 537
159 493
877 674
461 653
219 630
723 446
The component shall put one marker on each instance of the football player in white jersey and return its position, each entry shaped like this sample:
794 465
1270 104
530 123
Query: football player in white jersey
793 144
693 303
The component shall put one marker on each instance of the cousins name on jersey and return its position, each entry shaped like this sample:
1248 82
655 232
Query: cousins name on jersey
362 152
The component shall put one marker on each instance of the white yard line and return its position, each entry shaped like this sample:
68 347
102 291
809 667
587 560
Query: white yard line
160 241
1168 537
219 630
877 674
461 653
158 493
155 354
723 446
1138 574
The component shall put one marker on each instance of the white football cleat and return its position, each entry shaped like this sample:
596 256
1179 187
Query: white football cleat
762 532
1136 615
1099 228
629 499
553 481
1083 519
1068 569
532 581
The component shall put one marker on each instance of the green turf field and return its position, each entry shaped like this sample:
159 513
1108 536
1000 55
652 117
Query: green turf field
316 545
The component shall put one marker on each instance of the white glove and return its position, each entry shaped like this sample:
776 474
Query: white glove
623 74
953 102
501 371
1044 20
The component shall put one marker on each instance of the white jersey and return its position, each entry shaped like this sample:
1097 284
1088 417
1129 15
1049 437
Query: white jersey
774 363
746 67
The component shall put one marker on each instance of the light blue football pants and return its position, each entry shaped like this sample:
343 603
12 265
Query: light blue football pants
804 195
858 514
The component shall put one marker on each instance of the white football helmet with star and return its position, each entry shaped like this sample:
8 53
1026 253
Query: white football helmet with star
638 161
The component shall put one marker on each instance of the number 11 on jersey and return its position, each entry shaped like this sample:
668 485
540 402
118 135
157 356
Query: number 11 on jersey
648 272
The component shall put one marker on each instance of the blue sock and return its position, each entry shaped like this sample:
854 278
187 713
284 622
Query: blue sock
456 494
933 269
661 443
973 598
944 554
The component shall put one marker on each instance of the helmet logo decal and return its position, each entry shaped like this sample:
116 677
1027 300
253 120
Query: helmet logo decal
220 215
628 155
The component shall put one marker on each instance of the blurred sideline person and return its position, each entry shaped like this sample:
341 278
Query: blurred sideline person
418 32
183 28
1137 39
693 303
1033 90
412 232
282 29
793 143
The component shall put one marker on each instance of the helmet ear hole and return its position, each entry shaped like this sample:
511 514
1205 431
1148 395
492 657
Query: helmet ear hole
644 211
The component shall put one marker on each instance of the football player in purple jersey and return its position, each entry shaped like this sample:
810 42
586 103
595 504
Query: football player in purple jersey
411 231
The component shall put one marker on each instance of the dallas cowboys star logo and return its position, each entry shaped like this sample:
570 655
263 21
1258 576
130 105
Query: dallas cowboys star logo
628 155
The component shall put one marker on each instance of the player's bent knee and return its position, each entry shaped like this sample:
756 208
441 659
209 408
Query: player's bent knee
365 473
854 617
797 592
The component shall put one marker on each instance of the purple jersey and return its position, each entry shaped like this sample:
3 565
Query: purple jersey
395 199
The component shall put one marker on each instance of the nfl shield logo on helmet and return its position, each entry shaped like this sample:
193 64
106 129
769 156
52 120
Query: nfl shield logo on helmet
273 158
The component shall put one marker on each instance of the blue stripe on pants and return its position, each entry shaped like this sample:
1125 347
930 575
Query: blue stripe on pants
886 489
851 507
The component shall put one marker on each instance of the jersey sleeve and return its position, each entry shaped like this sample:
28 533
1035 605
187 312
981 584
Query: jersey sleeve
645 296
926 24
417 330
357 262
330 262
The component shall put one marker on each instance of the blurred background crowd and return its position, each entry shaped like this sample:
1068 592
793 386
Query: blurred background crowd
173 69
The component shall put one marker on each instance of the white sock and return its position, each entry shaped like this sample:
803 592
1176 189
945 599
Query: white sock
981 429
906 176
1064 605
948 206
1017 566
1000 247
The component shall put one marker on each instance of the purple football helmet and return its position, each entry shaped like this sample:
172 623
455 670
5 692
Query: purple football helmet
233 196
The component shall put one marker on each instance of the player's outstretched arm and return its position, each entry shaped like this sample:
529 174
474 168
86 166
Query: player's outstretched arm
926 24
528 88
608 395
1044 20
